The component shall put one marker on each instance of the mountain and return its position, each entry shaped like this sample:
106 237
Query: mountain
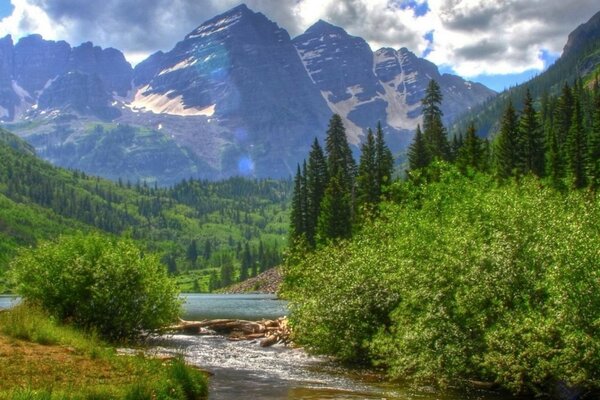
580 59
387 86
237 96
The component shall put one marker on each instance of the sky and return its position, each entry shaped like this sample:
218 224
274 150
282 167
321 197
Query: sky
496 42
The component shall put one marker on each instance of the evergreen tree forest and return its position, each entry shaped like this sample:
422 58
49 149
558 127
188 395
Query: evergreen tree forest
479 267
204 231
332 195
556 139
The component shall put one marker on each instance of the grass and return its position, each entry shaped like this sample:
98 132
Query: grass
44 360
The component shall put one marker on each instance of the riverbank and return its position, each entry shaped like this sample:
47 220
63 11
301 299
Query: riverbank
42 360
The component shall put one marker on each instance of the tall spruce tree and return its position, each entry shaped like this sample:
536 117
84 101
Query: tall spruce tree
531 140
577 142
367 181
336 209
564 116
317 178
418 154
298 213
434 131
339 156
507 144
593 156
384 160
471 153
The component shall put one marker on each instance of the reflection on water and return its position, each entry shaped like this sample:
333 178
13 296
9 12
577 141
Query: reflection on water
235 306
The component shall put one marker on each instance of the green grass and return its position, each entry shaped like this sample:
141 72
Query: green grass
44 360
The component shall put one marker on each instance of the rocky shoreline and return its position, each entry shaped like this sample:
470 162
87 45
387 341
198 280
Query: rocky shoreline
268 282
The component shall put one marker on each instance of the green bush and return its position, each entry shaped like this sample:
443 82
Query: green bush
97 283
462 279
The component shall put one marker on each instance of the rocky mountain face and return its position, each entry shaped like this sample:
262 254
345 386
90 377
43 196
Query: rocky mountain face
237 96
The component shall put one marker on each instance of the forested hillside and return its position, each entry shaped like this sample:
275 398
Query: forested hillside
210 228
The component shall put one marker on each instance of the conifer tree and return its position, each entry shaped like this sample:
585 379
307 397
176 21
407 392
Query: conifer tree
336 208
531 140
507 146
316 183
384 160
246 262
192 252
339 156
593 160
564 115
367 181
297 218
434 132
576 143
471 154
418 156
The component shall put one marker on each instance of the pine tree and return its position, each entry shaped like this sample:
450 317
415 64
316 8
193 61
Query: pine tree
339 156
564 116
367 182
531 140
384 160
246 262
576 143
297 218
507 146
471 153
192 252
434 132
418 155
335 218
316 183
593 156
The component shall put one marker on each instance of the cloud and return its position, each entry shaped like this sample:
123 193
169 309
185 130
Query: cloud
476 37
472 37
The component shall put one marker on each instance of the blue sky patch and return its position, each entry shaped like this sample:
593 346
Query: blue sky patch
6 8
419 9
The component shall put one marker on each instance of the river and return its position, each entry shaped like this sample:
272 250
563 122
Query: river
244 370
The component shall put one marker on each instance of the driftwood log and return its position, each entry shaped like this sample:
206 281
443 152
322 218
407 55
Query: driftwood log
269 332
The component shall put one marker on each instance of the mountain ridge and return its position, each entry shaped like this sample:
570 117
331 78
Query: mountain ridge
236 96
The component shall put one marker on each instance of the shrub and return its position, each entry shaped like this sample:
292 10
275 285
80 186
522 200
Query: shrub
463 279
97 283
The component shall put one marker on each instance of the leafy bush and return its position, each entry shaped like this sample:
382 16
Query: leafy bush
462 279
97 283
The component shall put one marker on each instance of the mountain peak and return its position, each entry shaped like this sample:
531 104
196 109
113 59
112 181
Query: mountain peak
322 27
223 21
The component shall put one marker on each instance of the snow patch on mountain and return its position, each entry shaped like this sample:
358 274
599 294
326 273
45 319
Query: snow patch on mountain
165 104
181 65
217 26
343 108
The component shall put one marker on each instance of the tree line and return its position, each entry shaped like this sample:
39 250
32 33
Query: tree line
332 194
558 140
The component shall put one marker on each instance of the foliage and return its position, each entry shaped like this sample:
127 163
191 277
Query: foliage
39 201
462 278
99 284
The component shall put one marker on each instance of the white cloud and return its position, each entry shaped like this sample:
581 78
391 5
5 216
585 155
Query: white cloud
28 18
471 36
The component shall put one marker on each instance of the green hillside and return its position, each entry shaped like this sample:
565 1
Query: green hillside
198 227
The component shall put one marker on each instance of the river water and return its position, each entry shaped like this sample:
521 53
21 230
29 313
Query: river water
244 370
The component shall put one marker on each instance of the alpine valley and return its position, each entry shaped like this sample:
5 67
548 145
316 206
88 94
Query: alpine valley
237 96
